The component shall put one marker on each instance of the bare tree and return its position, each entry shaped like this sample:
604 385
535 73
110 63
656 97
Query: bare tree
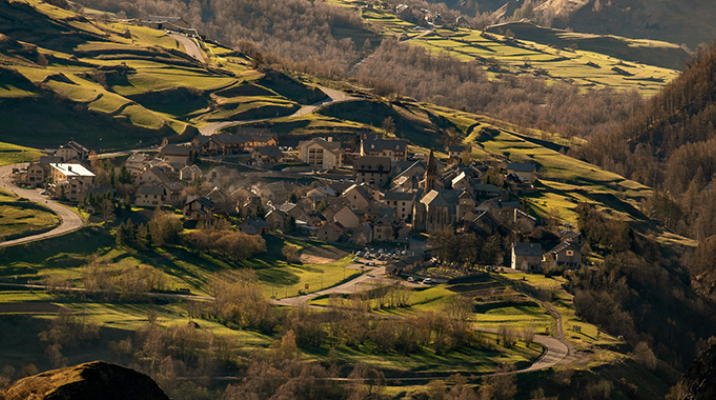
291 253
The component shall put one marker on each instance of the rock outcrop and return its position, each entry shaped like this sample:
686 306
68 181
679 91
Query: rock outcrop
96 380
699 381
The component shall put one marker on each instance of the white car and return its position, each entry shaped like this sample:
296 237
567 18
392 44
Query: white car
411 279
427 281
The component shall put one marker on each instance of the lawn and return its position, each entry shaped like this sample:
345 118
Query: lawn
464 360
590 336
65 256
22 218
14 154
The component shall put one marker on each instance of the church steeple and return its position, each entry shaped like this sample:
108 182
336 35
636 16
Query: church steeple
431 173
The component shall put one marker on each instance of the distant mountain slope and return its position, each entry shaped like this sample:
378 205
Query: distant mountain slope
649 52
671 143
677 21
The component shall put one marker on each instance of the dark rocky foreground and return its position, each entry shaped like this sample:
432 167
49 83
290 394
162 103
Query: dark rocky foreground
94 380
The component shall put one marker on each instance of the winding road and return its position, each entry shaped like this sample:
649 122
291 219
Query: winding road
69 220
192 49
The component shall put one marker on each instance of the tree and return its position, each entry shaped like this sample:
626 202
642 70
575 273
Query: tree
107 208
57 360
644 356
291 253
290 224
125 176
259 210
164 227
388 124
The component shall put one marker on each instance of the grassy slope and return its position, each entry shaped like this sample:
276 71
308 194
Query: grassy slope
146 88
648 76
19 219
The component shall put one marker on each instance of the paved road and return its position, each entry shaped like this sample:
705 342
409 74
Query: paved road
334 96
190 45
69 220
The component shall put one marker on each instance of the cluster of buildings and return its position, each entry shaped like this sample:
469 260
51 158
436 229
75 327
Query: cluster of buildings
389 197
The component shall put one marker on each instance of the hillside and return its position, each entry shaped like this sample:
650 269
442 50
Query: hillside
134 85
190 306
688 22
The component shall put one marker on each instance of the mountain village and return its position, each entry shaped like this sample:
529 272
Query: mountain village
379 194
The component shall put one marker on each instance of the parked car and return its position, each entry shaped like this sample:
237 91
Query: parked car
428 281
411 279
356 259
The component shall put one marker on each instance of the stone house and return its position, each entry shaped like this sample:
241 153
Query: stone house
321 154
199 209
526 257
277 219
330 232
190 173
254 226
372 170
358 196
150 196
525 172
176 155
565 255
374 145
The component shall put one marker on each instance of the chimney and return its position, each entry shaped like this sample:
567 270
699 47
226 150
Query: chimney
330 138
69 168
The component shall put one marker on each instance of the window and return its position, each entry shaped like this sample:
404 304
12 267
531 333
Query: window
570 253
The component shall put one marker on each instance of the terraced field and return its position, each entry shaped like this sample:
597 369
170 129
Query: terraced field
552 55
135 85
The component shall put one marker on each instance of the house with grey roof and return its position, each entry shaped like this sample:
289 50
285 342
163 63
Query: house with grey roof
199 209
527 257
254 226
372 170
526 172
373 144
565 255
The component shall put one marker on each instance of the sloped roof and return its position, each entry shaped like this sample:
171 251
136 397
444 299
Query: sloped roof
333 147
204 201
563 246
373 142
151 190
398 196
138 157
72 170
361 190
521 167
176 150
258 222
434 199
372 164
527 249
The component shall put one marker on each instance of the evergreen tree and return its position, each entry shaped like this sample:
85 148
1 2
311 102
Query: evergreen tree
125 176
290 224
